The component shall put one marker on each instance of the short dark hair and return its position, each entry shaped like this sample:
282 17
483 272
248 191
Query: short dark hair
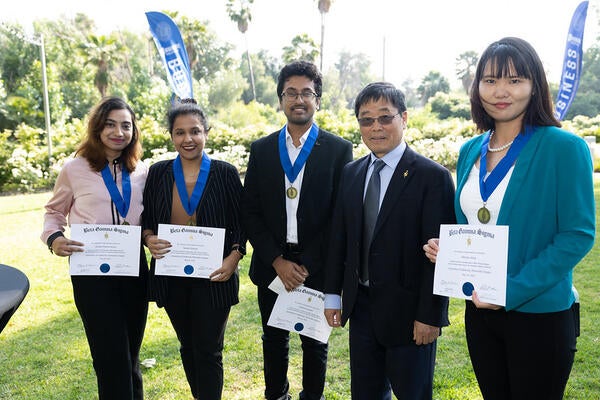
300 68
508 56
92 148
184 107
377 90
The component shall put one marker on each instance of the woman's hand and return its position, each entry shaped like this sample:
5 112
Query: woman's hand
158 247
228 268
63 247
431 249
479 304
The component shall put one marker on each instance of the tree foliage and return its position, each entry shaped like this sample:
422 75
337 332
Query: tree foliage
303 47
587 98
465 68
450 105
351 74
83 65
239 12
431 84
207 54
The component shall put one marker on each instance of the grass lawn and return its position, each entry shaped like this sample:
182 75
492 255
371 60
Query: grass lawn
44 354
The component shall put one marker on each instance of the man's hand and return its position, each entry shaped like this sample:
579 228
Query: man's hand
425 334
333 317
291 274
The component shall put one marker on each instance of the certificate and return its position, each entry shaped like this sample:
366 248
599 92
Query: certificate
108 250
472 257
301 310
196 251
277 286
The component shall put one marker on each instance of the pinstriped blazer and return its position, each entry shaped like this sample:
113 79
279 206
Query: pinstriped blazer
219 207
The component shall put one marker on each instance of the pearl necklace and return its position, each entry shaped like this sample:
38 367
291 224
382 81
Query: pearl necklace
498 149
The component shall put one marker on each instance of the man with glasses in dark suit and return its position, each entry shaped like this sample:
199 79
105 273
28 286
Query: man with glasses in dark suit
377 275
289 192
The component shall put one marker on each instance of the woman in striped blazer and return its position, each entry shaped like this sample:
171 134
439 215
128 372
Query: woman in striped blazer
192 189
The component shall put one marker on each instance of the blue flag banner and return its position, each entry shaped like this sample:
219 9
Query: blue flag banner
571 71
173 53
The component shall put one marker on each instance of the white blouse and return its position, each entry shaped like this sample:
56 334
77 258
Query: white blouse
471 201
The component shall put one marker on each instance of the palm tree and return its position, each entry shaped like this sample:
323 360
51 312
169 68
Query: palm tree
100 51
239 12
465 68
323 9
431 84
303 47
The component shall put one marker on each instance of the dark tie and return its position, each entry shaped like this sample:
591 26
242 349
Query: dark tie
370 211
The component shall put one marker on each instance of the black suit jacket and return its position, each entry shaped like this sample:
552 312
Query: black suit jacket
418 199
219 207
264 213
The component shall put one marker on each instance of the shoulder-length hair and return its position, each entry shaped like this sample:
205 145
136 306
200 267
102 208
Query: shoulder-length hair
513 56
92 147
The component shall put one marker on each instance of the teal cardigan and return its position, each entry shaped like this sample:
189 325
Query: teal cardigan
549 208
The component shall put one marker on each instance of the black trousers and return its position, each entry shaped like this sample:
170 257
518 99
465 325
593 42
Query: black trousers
114 311
276 356
519 355
200 329
377 370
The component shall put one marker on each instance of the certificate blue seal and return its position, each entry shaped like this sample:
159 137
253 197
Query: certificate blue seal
468 288
104 268
188 269
298 326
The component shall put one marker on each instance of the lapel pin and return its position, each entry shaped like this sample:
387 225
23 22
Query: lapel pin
405 173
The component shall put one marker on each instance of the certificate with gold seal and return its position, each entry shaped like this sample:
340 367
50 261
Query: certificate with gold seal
472 257
196 251
107 250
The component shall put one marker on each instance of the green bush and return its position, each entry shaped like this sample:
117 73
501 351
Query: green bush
450 105
7 146
24 164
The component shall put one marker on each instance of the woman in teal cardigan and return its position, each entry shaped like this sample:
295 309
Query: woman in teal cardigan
538 180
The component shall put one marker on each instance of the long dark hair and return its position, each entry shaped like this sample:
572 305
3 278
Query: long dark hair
510 56
92 147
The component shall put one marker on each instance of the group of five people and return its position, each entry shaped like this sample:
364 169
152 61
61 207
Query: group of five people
364 232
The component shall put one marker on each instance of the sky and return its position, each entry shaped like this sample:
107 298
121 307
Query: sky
419 35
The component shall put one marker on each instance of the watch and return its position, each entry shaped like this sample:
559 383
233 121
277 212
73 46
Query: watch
240 249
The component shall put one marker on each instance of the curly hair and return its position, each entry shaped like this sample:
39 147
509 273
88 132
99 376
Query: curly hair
300 68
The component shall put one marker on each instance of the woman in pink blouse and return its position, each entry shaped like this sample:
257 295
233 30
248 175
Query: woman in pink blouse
103 184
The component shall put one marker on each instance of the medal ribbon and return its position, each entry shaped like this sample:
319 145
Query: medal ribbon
292 171
121 202
487 186
190 203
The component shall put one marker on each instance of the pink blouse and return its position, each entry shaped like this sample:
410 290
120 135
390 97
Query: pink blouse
81 196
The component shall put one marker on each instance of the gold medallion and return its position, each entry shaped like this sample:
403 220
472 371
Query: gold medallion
125 223
291 192
191 222
483 215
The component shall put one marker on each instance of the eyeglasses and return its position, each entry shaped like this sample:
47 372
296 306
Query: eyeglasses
382 119
306 95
